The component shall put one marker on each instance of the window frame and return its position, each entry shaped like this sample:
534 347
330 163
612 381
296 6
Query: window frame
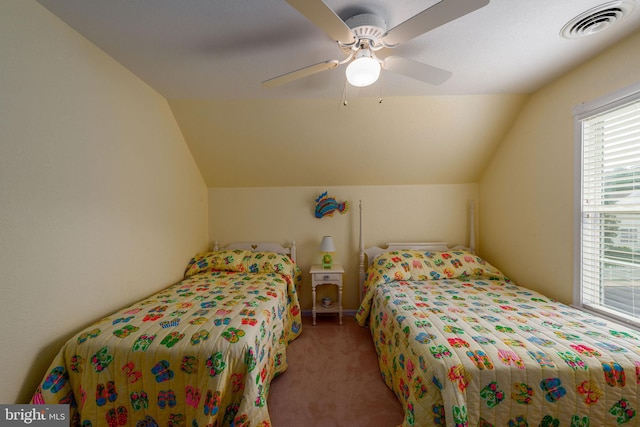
580 112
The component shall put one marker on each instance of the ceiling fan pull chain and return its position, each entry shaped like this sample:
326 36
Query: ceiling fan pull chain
344 94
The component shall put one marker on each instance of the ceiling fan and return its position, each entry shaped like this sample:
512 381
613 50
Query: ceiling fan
366 42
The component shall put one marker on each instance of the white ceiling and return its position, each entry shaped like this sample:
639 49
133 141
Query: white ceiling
209 57
226 48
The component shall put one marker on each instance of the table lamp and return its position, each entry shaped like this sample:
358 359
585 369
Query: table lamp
327 247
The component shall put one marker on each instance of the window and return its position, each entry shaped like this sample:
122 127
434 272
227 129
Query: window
608 252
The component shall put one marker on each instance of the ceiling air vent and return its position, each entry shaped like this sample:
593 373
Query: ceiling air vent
597 19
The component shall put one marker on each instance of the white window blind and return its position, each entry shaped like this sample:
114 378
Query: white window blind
610 210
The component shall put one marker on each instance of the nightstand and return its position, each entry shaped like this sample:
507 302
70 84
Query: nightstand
326 276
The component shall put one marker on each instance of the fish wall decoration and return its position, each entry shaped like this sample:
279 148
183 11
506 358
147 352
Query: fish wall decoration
326 205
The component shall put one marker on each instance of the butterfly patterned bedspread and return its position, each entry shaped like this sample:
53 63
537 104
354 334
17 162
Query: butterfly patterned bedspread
200 353
461 345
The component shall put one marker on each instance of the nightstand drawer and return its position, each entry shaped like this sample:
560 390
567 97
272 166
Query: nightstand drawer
330 277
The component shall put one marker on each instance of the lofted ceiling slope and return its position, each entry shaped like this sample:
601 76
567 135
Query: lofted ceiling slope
209 57
316 142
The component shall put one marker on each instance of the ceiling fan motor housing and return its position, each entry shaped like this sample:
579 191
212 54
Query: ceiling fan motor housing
368 27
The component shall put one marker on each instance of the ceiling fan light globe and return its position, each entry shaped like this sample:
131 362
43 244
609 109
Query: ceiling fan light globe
363 71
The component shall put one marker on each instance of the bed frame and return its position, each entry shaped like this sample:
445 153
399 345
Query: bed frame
367 255
261 247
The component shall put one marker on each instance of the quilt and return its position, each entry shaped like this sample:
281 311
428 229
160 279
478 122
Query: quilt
462 345
200 353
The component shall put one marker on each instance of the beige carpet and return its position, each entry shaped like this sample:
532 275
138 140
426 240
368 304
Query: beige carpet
333 380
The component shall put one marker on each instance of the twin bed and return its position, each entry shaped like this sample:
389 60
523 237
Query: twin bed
200 353
462 345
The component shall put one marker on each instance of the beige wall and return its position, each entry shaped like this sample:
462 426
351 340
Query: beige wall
527 191
101 202
390 213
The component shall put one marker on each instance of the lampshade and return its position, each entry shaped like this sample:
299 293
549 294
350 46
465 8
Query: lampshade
364 70
327 244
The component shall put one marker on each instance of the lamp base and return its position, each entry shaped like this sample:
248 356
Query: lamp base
327 261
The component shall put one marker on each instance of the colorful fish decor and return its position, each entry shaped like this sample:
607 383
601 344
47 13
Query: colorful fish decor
326 205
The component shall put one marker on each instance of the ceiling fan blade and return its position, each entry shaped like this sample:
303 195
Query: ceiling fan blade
433 17
302 72
416 70
326 19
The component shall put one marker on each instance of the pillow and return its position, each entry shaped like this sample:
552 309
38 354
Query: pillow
405 265
462 264
268 262
224 260
431 265
245 261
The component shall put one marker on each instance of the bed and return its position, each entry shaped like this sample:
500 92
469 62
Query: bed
202 352
462 345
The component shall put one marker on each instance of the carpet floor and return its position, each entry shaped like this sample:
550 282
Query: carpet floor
333 380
